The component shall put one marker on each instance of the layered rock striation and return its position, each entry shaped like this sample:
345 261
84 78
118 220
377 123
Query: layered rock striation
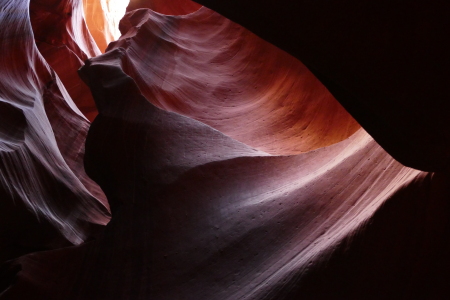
228 166
47 199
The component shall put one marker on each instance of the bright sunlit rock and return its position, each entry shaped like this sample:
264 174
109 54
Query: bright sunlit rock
114 11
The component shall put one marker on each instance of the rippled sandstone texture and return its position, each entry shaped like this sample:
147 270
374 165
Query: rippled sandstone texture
230 170
210 69
385 61
47 199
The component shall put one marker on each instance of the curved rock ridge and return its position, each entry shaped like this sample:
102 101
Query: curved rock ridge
173 7
230 171
61 23
47 199
208 68
63 39
386 63
198 215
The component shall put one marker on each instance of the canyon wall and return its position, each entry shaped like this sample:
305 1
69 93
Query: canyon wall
196 160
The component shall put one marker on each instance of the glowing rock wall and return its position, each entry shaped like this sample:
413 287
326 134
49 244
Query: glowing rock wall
46 196
229 169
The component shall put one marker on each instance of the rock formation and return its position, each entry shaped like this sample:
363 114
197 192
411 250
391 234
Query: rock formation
47 199
384 61
228 167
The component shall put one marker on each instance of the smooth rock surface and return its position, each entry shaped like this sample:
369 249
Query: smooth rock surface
230 170
208 68
47 199
198 215
385 62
